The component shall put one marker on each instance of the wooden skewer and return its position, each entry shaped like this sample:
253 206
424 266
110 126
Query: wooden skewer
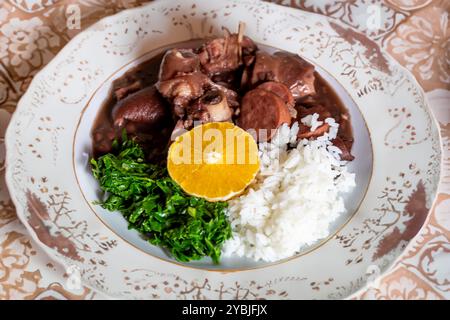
241 30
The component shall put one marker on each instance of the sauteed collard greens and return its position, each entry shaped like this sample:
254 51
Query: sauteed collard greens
189 227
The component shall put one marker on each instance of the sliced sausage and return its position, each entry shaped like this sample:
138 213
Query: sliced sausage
143 107
263 110
283 92
280 90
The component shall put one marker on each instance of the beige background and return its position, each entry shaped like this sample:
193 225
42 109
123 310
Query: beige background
415 32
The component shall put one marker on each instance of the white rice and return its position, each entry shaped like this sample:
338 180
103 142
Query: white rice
295 197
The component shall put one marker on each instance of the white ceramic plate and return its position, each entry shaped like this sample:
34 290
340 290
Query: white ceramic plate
48 145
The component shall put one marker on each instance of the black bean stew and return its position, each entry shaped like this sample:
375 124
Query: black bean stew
225 79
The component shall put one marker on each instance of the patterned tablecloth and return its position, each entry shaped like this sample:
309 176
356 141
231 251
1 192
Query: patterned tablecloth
415 32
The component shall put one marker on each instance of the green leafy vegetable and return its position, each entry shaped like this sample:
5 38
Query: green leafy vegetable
189 227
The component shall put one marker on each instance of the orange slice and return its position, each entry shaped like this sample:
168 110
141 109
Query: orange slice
215 161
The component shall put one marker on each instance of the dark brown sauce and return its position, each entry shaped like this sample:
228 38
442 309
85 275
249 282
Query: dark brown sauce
327 97
147 72
155 140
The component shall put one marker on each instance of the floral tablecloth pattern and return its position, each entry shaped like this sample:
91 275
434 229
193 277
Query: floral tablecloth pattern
415 32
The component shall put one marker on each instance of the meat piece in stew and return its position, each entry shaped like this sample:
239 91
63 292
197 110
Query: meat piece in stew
178 62
288 68
181 90
222 55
